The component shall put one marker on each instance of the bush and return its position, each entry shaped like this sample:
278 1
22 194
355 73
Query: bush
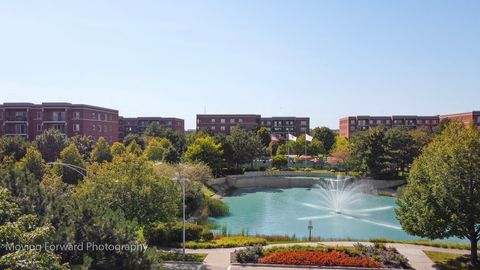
279 161
162 234
228 242
389 257
217 208
173 256
207 235
249 254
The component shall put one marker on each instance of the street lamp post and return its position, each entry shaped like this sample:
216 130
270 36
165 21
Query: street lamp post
310 228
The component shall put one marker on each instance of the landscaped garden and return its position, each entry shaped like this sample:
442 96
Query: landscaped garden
370 256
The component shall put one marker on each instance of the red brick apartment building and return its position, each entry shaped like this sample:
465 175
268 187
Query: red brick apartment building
29 120
279 126
138 125
350 124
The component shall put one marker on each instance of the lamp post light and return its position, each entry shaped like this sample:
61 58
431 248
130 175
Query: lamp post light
72 167
310 228
182 182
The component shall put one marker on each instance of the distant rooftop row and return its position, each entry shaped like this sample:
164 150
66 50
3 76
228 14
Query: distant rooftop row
30 120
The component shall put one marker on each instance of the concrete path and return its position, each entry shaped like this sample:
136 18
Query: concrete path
219 259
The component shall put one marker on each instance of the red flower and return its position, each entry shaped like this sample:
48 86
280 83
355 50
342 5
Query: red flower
318 258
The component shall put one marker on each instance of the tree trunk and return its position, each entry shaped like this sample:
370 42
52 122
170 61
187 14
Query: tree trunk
473 250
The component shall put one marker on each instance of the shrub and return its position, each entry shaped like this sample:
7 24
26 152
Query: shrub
227 242
167 234
173 256
217 208
389 257
207 235
249 254
279 161
319 258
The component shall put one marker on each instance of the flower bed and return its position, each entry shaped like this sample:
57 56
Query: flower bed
227 242
318 258
368 256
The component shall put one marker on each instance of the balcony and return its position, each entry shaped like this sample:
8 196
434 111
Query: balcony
55 119
16 118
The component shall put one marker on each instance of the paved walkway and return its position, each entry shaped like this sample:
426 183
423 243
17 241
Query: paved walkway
219 259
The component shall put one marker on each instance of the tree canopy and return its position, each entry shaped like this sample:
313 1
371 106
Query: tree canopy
442 195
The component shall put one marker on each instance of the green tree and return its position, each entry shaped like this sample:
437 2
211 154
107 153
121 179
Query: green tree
441 126
422 136
192 137
401 148
70 156
134 148
205 150
50 143
280 161
101 152
369 152
33 162
157 150
325 135
84 144
315 148
15 146
442 195
341 152
265 136
178 140
18 229
227 156
245 145
118 149
127 140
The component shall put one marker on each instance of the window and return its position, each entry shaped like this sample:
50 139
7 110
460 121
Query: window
93 127
352 121
99 128
232 121
269 123
1 115
379 122
222 128
388 121
58 116
222 121
303 129
303 123
76 127
213 120
427 121
76 115
20 129
93 115
240 120
434 122
478 118
39 115
99 117
213 127
362 122
370 122
39 127
105 117
419 122
169 123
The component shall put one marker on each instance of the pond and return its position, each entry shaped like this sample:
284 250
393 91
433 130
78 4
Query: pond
288 211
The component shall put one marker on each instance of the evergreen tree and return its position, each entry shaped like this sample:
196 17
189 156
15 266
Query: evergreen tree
101 152
50 143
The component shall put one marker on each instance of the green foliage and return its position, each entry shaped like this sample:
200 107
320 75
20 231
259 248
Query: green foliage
280 161
70 156
118 149
189 257
33 162
157 150
101 152
84 145
23 230
441 126
228 242
245 144
15 146
265 136
177 140
130 137
166 234
50 143
249 254
205 150
217 208
441 198
134 148
207 235
324 135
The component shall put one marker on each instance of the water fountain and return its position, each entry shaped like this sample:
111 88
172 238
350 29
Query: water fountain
340 197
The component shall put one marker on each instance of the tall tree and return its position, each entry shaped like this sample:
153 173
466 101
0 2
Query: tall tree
442 195
134 148
325 135
441 126
157 150
15 146
127 140
50 143
178 140
246 146
84 144
205 150
265 136
71 156
33 162
401 148
101 152
118 149
369 152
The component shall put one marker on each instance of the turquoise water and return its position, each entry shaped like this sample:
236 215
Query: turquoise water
286 212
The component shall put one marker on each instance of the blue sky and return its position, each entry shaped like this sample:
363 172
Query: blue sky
323 59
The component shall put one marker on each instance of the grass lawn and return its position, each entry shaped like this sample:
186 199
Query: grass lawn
450 261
